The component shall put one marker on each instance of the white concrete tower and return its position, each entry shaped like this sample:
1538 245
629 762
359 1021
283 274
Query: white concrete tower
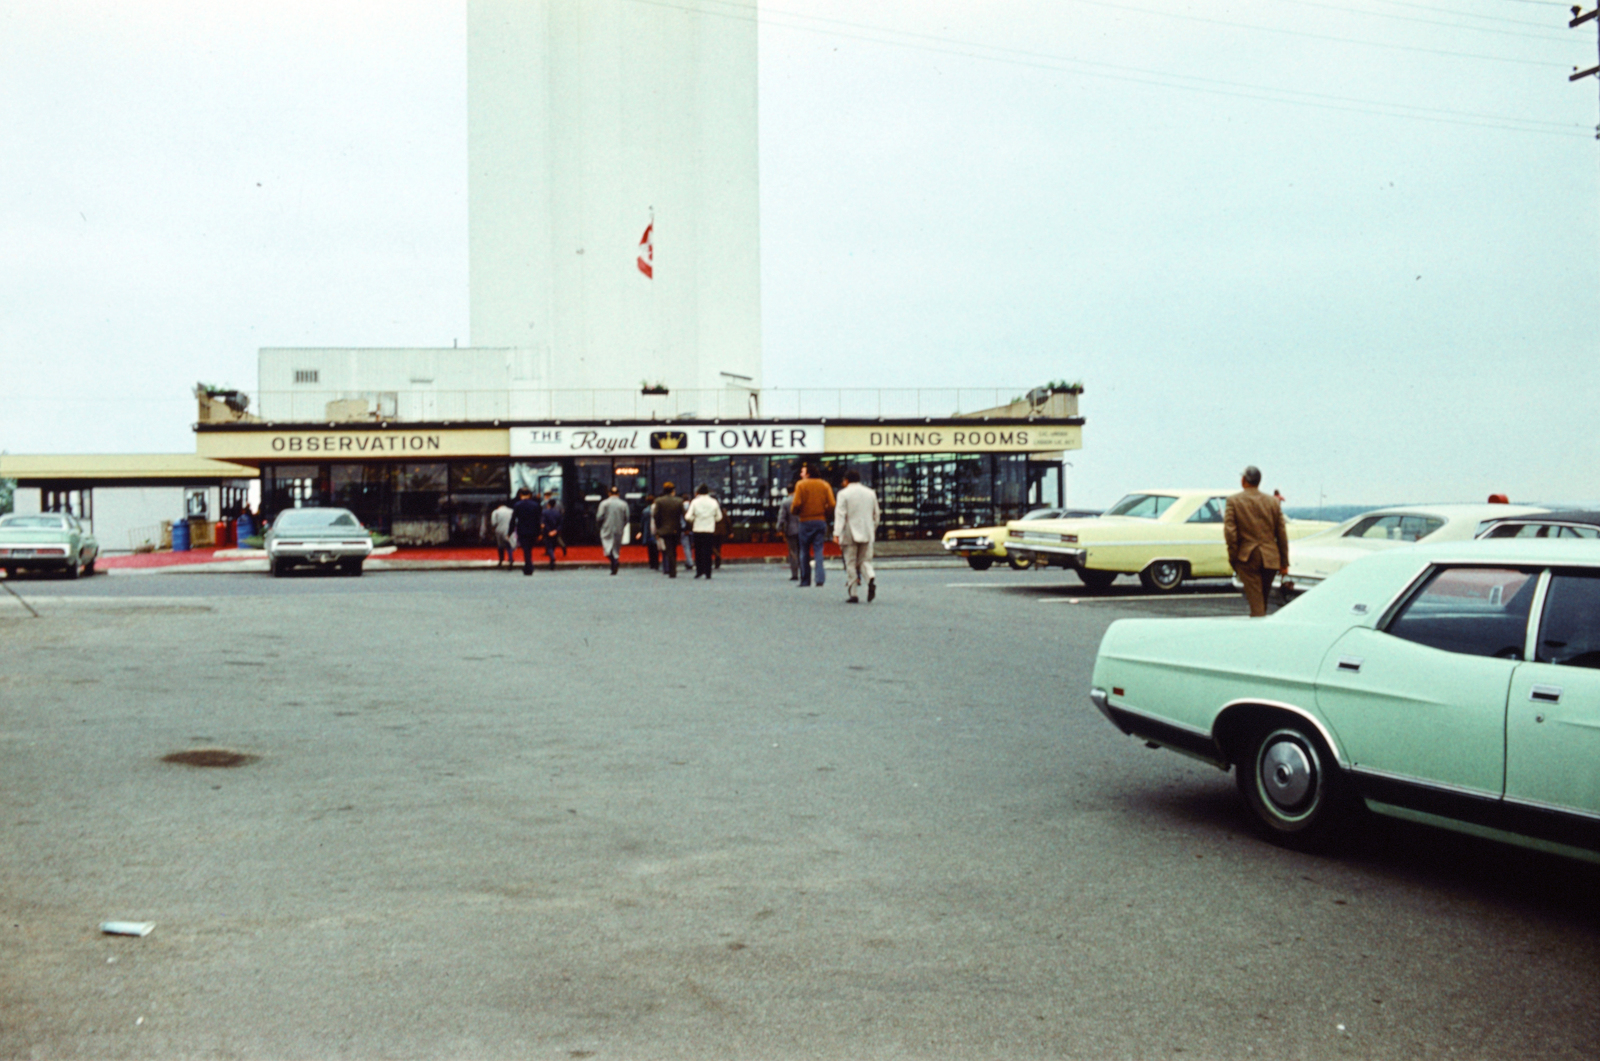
589 120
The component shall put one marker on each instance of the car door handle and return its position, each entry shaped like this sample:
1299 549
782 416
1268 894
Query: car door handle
1545 694
1351 664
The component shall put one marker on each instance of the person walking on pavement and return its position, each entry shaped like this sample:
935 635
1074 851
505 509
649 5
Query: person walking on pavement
500 522
550 528
559 542
1258 539
669 527
855 525
612 519
790 527
812 506
647 531
703 513
526 520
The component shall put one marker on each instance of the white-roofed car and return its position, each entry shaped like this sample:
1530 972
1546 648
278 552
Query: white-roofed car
320 537
46 541
1569 524
1319 556
1162 536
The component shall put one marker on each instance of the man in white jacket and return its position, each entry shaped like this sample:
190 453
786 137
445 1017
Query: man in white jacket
855 524
702 516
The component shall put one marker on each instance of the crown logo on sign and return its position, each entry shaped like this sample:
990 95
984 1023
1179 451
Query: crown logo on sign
668 439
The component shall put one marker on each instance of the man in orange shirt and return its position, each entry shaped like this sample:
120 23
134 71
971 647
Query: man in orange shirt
813 505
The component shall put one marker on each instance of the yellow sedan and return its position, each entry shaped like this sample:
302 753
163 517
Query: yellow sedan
1163 536
980 547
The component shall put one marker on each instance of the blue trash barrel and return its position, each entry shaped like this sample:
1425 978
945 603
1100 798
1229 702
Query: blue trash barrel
180 535
246 528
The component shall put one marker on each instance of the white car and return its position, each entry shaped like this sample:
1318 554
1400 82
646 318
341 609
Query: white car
1320 555
321 537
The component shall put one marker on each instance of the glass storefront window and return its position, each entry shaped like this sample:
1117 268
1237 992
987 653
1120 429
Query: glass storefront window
594 481
921 495
479 477
712 472
674 470
365 489
750 512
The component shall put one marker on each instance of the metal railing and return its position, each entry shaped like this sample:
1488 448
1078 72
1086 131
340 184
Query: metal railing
310 406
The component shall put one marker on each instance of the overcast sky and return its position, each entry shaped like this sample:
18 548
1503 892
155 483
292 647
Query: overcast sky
1352 241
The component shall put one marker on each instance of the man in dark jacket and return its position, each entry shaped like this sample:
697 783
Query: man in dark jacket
526 521
668 516
550 527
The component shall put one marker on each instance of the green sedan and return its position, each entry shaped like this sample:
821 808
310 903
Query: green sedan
46 541
1457 685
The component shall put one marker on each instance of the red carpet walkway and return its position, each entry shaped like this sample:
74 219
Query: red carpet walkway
578 554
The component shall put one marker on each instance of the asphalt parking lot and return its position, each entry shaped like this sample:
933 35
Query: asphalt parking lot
572 815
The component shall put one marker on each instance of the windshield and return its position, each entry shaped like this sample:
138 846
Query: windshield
1395 527
1144 506
1043 513
304 518
34 522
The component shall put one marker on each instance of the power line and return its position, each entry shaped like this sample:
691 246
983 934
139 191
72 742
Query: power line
1165 79
1312 36
1436 22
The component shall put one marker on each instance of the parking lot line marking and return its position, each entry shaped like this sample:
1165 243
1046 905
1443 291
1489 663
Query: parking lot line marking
1114 600
977 585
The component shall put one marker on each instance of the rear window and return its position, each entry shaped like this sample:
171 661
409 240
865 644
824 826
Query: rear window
33 523
1144 506
1395 528
1540 530
315 517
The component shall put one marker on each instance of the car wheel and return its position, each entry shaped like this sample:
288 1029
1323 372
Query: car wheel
72 569
88 569
1019 563
980 563
1291 785
1096 579
278 568
353 568
1163 576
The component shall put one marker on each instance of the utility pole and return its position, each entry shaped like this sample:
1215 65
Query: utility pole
1579 17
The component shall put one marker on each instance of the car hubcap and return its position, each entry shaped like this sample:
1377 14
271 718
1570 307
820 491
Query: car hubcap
1288 774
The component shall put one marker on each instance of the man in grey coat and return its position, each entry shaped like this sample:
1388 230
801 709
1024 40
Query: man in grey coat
789 524
612 519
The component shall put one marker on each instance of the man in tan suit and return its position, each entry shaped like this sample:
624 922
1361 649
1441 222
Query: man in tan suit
1258 539
855 525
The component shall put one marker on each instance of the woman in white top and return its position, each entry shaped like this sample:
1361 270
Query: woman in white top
702 516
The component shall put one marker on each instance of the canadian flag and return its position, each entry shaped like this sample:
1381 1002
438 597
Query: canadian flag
647 252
